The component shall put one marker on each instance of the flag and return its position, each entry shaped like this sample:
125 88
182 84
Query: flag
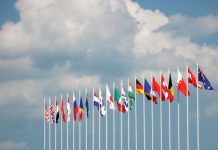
192 79
101 104
181 85
123 97
75 108
139 88
96 100
109 98
68 108
63 112
164 87
204 80
87 105
131 96
156 87
117 98
81 109
149 93
47 117
57 110
170 90
52 117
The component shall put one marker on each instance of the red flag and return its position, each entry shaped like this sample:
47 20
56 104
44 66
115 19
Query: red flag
156 87
192 79
164 87
181 84
63 112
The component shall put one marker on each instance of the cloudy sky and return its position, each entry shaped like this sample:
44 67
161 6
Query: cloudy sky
51 47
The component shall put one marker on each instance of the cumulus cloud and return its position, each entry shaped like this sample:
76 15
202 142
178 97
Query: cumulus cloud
10 145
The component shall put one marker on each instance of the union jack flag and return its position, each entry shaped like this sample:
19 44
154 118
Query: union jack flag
47 117
202 78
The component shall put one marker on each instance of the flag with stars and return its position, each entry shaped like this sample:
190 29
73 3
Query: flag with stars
202 78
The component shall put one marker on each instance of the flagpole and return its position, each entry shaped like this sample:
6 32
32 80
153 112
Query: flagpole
161 132
144 125
86 121
67 122
121 122
99 121
44 123
169 119
187 108
79 127
198 134
73 122
55 125
61 128
114 136
152 119
93 123
178 117
49 125
128 122
136 136
106 118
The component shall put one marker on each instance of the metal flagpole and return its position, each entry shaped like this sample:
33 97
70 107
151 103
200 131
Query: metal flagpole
178 118
79 127
198 134
187 108
55 124
67 122
106 119
128 120
121 121
152 120
73 122
93 123
161 132
44 123
144 126
136 136
169 120
99 121
49 125
114 136
86 98
61 128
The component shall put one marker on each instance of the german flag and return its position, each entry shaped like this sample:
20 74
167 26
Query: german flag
170 90
139 88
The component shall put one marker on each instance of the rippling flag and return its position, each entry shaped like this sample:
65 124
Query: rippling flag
202 78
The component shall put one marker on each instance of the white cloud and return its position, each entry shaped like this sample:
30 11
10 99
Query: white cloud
10 145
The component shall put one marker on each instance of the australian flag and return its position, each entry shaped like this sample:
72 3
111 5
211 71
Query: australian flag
204 80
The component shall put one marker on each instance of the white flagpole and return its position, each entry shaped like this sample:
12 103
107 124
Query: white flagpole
55 124
143 107
86 120
114 136
61 127
49 125
79 126
187 108
198 134
128 120
93 124
67 121
169 120
44 122
73 122
161 130
106 118
178 118
152 119
99 122
136 132
121 121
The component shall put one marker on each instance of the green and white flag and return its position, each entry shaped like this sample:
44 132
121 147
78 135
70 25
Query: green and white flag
131 96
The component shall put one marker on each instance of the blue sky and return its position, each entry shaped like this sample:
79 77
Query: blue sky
49 48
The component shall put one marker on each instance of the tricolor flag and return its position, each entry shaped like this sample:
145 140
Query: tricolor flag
149 93
181 85
192 79
47 118
156 87
117 98
75 108
131 96
87 105
51 108
204 80
57 110
68 108
101 104
139 88
81 109
109 98
63 111
96 100
123 97
170 90
164 87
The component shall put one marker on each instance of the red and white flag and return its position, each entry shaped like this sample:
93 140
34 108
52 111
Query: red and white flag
182 85
109 98
156 88
164 87
192 79
68 108
47 117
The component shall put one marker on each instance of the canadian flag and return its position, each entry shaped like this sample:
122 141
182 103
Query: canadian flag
181 84
164 87
192 79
